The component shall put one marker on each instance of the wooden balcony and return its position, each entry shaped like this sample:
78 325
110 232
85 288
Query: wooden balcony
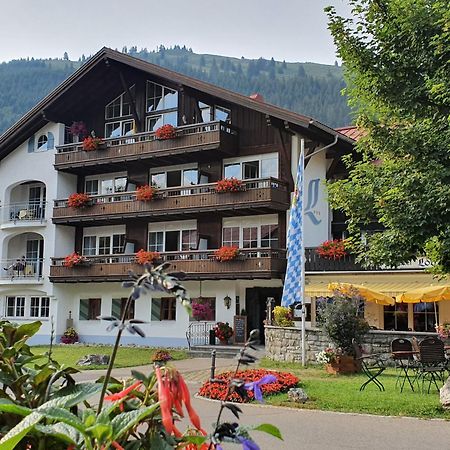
218 139
258 196
197 264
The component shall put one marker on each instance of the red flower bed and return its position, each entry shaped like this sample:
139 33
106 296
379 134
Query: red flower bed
143 257
165 132
334 249
74 259
145 193
226 253
78 200
91 143
217 391
229 185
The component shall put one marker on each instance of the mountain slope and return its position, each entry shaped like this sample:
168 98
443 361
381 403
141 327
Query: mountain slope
307 88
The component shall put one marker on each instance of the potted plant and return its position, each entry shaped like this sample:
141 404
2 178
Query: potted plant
78 200
226 253
161 357
92 143
201 311
78 130
333 249
166 132
223 332
229 185
342 322
443 330
144 257
74 259
145 193
283 316
70 336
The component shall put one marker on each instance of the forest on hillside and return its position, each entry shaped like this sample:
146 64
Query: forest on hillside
307 88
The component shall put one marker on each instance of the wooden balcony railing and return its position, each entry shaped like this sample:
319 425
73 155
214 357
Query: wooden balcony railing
268 194
197 264
190 138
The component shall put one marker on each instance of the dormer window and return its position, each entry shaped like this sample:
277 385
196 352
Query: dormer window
161 106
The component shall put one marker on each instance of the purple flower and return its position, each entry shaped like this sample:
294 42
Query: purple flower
255 386
248 444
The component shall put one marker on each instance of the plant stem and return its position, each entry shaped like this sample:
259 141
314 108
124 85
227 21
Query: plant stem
113 354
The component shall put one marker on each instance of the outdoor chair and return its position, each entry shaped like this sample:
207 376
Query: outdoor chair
432 363
403 357
372 365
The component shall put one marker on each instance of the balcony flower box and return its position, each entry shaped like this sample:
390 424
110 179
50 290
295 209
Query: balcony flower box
144 257
166 132
229 185
92 143
78 200
75 259
333 249
226 253
145 193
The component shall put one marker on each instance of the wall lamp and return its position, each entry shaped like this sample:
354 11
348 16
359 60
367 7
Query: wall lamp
227 302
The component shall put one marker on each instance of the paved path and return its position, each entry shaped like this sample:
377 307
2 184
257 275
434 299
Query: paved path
311 430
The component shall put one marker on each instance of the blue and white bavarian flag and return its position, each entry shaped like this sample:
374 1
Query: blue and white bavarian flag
292 289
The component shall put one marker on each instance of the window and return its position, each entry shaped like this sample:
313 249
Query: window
188 240
112 244
154 122
118 306
91 187
425 316
160 97
175 177
106 184
90 308
42 142
39 307
269 236
119 128
15 306
257 166
172 240
156 241
231 236
164 309
250 237
215 112
396 317
120 106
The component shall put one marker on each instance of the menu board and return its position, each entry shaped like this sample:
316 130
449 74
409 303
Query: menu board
240 329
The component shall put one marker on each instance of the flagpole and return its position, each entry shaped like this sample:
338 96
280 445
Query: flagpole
302 276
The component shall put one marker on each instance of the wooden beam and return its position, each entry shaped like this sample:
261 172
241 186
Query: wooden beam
132 102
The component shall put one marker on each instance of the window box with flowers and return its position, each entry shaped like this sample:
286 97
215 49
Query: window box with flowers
145 193
145 257
166 132
333 249
75 259
229 185
226 253
92 143
78 200
223 332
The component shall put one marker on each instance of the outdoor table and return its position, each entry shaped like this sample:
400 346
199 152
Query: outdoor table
401 357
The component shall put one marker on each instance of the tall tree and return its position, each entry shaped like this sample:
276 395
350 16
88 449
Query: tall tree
396 55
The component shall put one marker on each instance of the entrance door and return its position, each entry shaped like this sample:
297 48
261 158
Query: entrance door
255 300
36 202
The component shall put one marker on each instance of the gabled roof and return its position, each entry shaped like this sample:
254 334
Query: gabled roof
36 117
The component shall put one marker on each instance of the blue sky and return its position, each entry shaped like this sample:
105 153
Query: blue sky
293 30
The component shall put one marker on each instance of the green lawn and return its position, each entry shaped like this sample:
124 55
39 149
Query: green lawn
126 356
341 393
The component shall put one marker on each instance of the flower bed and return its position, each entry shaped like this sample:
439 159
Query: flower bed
74 259
229 185
144 257
334 249
165 132
217 390
78 200
91 143
145 193
226 253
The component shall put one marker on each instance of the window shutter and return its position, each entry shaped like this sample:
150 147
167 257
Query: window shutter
116 307
51 141
31 144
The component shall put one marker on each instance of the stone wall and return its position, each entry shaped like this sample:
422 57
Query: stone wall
284 344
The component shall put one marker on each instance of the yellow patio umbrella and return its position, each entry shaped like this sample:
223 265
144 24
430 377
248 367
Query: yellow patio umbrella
427 294
366 293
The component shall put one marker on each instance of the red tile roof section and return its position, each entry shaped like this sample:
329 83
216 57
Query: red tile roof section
351 131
